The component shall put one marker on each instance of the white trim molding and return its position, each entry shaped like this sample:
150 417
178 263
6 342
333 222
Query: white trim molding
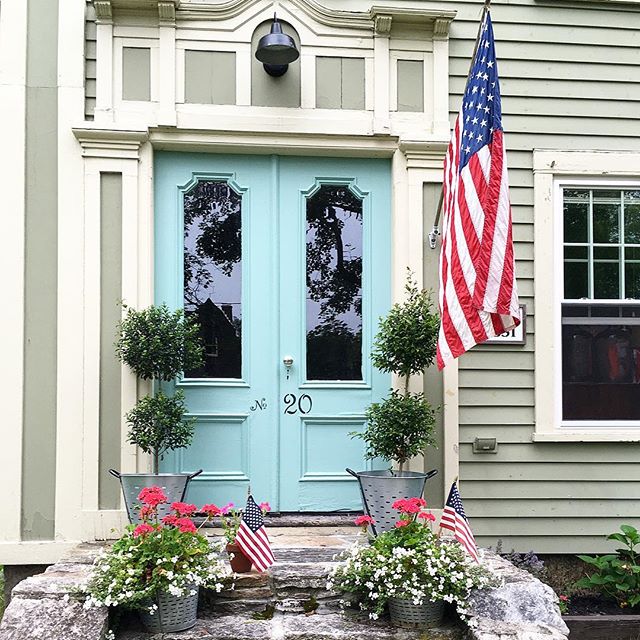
552 169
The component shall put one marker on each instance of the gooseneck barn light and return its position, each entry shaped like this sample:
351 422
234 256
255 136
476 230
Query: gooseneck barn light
276 50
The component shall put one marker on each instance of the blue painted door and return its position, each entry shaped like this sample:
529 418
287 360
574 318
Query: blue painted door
285 261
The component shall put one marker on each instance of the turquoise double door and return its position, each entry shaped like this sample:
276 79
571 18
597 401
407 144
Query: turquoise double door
285 263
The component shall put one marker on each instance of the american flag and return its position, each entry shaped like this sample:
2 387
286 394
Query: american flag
478 297
454 519
252 537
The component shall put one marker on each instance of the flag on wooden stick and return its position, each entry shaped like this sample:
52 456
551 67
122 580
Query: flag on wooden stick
455 520
252 537
478 297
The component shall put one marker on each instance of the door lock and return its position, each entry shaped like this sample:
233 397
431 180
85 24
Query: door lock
287 361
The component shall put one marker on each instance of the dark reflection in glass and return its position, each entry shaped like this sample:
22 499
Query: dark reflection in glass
601 363
213 275
334 284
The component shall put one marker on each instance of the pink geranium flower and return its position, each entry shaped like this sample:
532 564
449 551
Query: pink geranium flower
142 529
171 519
265 507
427 516
183 508
152 496
401 523
185 525
211 509
363 521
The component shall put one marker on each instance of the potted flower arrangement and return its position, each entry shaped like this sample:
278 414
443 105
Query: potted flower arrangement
158 344
230 519
409 570
402 425
158 566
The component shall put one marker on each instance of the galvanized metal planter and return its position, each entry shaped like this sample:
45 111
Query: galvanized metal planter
174 613
174 486
380 489
405 614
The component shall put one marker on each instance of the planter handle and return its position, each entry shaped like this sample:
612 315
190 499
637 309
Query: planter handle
430 474
114 473
197 473
352 472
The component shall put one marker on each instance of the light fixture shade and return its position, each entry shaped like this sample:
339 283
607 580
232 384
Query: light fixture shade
277 48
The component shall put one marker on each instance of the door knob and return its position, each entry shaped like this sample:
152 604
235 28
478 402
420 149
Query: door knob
288 362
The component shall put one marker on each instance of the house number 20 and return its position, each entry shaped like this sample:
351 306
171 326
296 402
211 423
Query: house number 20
293 404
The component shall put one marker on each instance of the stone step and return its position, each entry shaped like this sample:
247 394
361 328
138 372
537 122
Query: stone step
331 626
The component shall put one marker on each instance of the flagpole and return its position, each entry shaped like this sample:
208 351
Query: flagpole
435 232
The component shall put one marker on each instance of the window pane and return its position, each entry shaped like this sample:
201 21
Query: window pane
632 253
605 222
334 284
576 280
632 196
575 222
606 253
213 275
632 280
632 223
576 194
601 371
576 253
606 280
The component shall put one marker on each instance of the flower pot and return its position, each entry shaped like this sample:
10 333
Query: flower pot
174 486
380 489
173 613
239 562
405 614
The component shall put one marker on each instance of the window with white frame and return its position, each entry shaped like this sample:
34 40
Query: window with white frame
600 303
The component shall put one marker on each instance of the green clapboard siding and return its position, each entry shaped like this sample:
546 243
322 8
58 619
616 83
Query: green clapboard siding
570 79
110 296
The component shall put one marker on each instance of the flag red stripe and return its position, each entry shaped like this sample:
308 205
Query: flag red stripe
255 546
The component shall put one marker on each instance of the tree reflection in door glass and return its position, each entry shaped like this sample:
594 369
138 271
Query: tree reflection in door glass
334 284
213 275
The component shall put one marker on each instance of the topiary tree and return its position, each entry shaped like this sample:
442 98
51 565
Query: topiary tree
159 344
402 425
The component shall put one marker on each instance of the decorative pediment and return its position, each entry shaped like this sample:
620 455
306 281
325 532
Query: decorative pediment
380 19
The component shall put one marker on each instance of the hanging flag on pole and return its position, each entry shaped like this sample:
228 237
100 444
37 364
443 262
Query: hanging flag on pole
478 297
252 537
454 519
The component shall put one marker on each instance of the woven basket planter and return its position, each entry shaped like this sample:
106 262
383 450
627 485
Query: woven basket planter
415 616
174 613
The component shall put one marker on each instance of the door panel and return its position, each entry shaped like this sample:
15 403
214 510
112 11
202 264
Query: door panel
277 257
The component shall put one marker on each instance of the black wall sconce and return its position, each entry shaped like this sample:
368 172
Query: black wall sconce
276 50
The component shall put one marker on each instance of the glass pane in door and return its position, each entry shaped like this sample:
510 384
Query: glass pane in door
213 275
334 239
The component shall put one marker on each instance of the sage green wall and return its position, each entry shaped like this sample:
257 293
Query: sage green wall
210 77
570 79
110 371
136 73
410 85
340 83
40 324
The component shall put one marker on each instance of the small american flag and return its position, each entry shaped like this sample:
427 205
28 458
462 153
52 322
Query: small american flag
478 297
252 537
454 519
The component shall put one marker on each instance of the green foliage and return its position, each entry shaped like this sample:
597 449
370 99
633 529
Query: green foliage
399 427
402 425
158 343
617 576
406 340
157 424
